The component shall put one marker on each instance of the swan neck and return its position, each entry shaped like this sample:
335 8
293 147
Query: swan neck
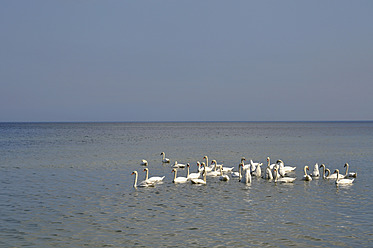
135 182
346 170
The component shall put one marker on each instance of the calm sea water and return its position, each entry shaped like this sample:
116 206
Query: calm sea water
70 185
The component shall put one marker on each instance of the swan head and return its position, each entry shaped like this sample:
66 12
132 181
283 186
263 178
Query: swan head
346 165
306 167
203 164
198 163
213 161
134 173
205 157
268 159
279 161
188 164
146 169
243 159
162 153
173 170
322 165
336 171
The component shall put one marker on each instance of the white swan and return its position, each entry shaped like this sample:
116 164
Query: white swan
271 166
212 173
247 177
324 171
258 170
177 165
152 179
224 169
306 177
178 179
144 162
254 165
334 175
222 176
315 172
268 173
236 173
245 166
286 169
351 174
207 167
342 180
199 180
192 175
164 159
143 183
283 179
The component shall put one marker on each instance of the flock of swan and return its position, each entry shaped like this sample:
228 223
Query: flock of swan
277 172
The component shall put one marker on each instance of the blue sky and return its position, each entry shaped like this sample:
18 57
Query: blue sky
186 60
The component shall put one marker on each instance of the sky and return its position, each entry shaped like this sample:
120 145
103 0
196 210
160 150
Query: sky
207 60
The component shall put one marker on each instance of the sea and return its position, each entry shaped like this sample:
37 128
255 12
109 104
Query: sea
71 185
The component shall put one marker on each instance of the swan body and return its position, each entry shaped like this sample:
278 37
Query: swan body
268 173
153 179
164 159
258 170
283 179
342 180
315 172
223 177
144 162
306 177
192 175
199 180
247 177
143 183
178 179
177 165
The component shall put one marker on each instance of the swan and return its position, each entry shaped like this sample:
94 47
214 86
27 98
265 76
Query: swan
199 180
245 166
254 165
144 162
247 178
351 174
212 173
268 173
334 175
342 180
178 179
328 174
315 172
177 165
223 177
258 170
192 175
143 183
324 171
271 166
306 177
207 168
153 179
224 169
164 159
283 179
287 169
236 173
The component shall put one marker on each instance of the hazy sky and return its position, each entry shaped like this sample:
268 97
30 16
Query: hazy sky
186 60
